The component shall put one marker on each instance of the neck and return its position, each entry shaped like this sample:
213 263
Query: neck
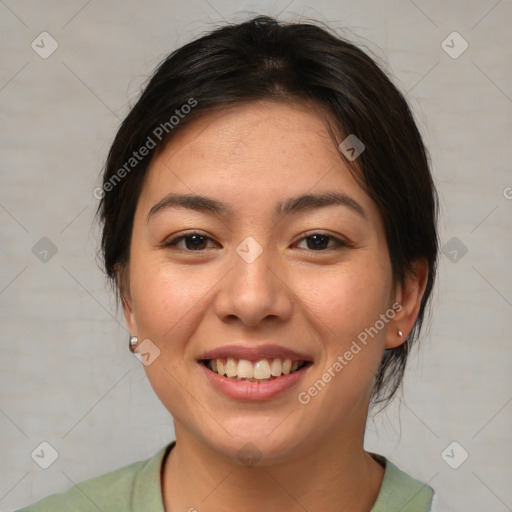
338 476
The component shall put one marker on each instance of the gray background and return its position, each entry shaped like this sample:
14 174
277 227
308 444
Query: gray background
66 374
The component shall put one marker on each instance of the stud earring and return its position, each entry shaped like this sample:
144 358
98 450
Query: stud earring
133 343
400 333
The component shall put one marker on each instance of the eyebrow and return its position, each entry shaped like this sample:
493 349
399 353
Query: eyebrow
289 206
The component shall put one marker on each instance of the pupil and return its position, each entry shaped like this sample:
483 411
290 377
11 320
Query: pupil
319 241
197 241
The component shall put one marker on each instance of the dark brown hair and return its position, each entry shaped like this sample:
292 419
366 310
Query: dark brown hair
263 59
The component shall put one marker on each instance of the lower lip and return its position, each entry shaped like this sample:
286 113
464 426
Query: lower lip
252 391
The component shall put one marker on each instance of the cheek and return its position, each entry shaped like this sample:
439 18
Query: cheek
161 296
351 303
347 304
347 300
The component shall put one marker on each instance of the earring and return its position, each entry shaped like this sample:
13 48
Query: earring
133 343
400 333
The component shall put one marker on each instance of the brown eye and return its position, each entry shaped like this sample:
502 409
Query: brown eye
320 241
192 242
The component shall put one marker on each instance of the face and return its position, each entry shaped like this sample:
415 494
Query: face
253 273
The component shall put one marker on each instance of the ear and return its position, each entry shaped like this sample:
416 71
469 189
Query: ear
123 282
409 296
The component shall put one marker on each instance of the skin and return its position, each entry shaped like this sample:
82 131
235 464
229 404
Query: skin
313 301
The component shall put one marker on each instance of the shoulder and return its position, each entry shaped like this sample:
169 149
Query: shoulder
119 490
110 489
400 491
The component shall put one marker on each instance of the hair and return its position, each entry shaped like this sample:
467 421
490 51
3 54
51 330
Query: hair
265 59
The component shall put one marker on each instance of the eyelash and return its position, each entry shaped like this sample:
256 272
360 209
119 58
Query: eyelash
339 244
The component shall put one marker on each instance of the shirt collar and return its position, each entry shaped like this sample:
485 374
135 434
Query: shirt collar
398 488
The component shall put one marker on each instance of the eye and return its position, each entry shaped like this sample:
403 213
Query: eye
320 241
198 242
194 241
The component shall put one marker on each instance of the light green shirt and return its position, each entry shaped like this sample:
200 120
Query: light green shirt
137 488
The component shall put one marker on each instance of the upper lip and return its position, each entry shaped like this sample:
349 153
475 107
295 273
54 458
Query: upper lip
254 353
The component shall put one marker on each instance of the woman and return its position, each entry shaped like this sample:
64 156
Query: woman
269 222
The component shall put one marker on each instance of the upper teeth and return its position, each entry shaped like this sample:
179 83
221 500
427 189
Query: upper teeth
244 369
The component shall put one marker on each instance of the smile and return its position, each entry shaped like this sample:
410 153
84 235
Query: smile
262 370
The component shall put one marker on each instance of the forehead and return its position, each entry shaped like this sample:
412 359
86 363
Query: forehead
252 152
260 127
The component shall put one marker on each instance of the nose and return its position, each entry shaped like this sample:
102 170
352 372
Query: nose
255 292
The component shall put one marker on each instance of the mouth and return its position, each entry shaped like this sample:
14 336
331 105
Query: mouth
249 372
259 370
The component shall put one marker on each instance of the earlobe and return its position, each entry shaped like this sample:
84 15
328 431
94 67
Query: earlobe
409 295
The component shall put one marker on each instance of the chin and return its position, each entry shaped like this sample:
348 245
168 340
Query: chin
252 445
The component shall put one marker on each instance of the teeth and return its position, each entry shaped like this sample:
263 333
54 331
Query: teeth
245 369
231 367
276 368
261 371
